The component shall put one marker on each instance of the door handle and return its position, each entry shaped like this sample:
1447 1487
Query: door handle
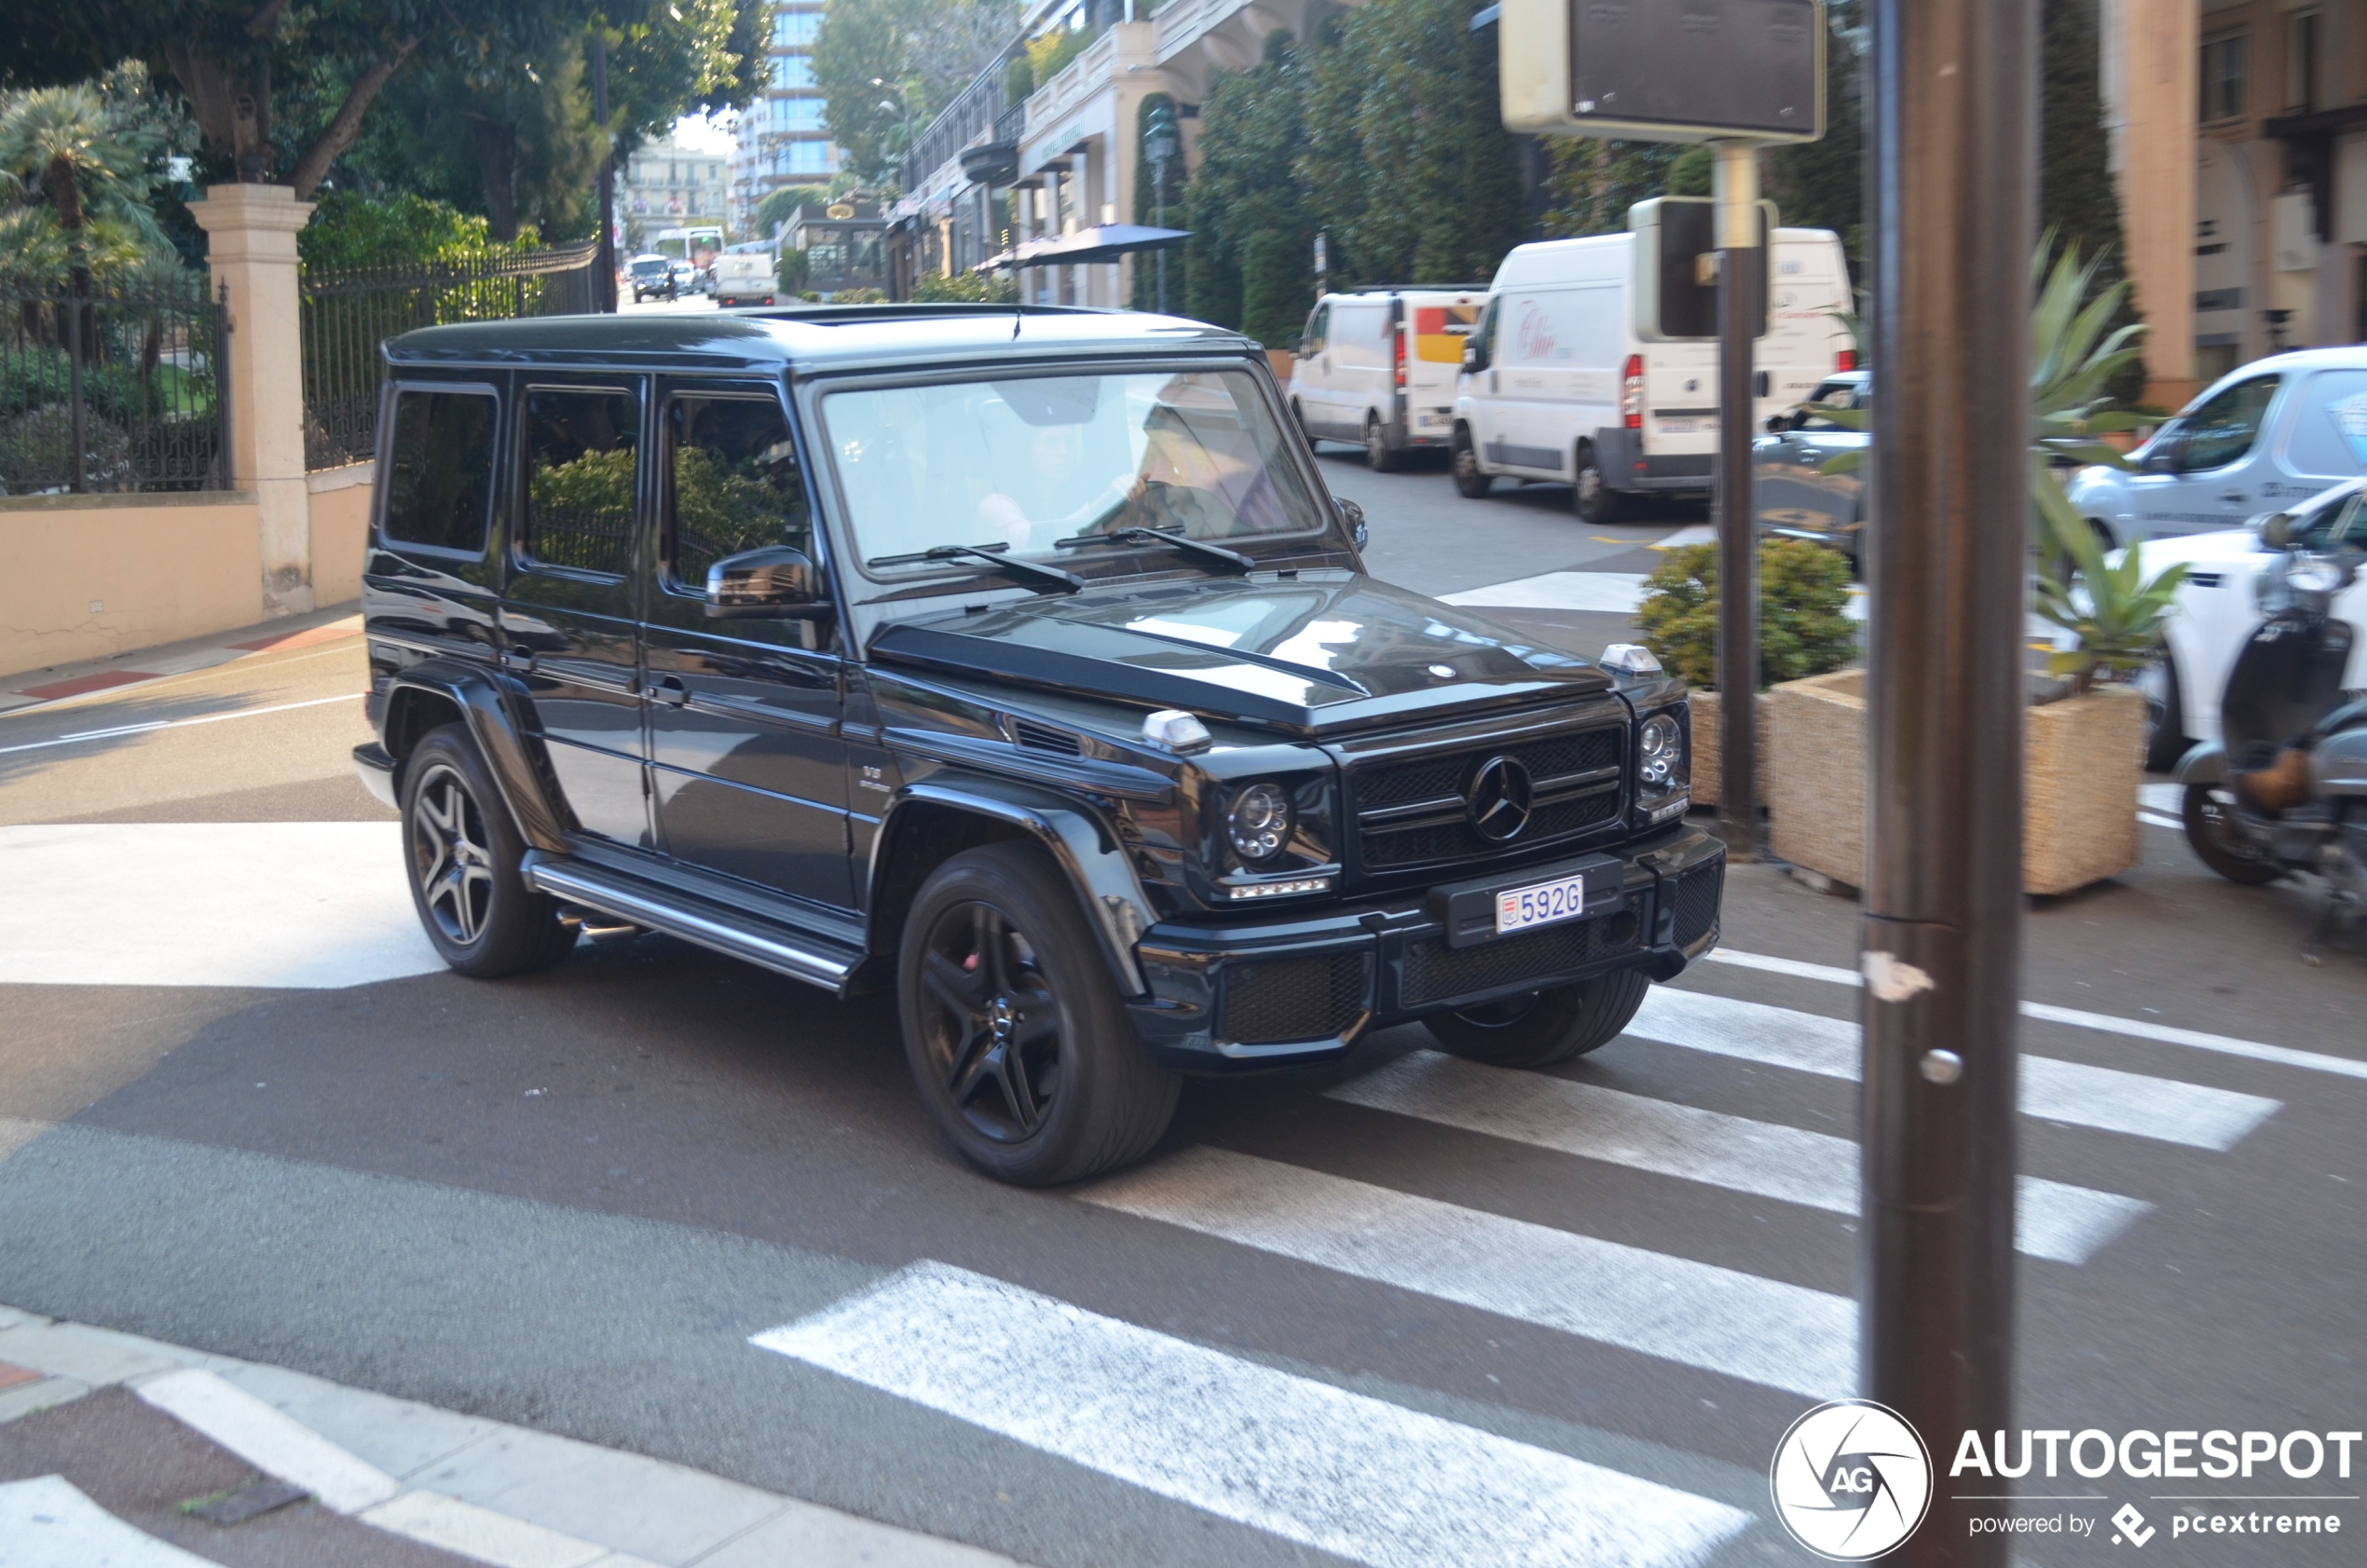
2231 495
518 660
670 692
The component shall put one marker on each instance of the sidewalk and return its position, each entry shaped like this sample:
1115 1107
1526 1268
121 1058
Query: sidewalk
58 683
94 1422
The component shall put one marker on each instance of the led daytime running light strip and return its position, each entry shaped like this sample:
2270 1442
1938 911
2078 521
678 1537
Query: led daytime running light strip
1275 890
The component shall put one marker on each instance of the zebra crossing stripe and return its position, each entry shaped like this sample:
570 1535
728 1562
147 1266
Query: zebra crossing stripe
1316 1464
2053 1219
1719 1319
2164 1108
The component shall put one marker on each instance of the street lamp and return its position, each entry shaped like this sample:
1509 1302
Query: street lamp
1161 145
899 106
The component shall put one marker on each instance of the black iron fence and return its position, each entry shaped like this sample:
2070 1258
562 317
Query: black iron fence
348 314
114 389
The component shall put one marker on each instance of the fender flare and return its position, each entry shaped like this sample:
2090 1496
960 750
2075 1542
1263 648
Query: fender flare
483 702
1085 848
2206 763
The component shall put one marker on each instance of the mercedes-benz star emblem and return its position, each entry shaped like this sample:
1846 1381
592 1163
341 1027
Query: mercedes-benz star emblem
1499 798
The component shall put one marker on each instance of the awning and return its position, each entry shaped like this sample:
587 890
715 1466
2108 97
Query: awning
1101 243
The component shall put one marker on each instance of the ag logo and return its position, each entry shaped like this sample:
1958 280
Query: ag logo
1851 1480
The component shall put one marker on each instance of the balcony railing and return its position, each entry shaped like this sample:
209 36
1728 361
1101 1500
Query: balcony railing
976 111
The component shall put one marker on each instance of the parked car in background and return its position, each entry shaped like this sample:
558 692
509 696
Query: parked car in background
651 276
1793 494
1555 383
744 277
2259 439
1377 367
2220 601
685 279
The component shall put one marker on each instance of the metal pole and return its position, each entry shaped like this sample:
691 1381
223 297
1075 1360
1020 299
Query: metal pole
1742 289
603 272
1954 180
1160 178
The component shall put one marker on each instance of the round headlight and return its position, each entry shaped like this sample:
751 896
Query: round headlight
2305 573
1660 765
1259 823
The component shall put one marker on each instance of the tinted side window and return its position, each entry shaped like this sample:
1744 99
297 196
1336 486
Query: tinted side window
580 454
736 484
439 471
2224 428
1318 329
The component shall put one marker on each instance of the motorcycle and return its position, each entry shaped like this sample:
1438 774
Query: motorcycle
2285 787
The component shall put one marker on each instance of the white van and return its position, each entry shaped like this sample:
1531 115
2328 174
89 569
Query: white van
744 277
1558 385
1377 367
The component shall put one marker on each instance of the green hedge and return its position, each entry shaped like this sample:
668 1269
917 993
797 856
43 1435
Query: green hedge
1802 590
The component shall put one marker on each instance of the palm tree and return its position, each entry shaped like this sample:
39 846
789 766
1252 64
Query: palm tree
60 146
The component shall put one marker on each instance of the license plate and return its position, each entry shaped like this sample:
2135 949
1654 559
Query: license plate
1679 427
1564 898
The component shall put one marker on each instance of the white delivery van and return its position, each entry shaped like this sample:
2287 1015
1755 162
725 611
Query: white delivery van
744 277
1558 385
1377 367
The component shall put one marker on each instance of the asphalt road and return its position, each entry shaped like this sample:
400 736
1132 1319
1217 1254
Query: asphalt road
1393 1314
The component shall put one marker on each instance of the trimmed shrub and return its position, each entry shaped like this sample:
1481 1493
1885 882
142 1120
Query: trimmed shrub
1803 591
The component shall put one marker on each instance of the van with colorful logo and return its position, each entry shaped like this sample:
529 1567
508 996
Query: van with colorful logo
1377 367
1557 385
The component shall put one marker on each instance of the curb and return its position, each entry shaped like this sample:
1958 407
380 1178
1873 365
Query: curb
542 1501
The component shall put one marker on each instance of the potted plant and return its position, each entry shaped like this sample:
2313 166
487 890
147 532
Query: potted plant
2084 747
1803 590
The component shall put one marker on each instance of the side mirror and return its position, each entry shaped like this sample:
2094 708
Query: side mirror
774 584
2168 454
1353 516
1474 356
2276 530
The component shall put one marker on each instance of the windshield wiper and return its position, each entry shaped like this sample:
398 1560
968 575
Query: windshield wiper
1192 547
992 554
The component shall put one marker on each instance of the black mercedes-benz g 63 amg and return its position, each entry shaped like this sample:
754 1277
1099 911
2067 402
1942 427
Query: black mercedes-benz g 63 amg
1014 659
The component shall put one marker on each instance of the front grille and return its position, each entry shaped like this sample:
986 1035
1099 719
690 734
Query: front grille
1270 1001
1414 812
1697 897
1435 972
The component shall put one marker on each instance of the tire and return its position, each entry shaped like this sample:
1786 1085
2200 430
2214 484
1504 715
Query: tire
2216 845
1378 456
2166 742
460 854
1591 497
1014 1030
1543 1027
1469 482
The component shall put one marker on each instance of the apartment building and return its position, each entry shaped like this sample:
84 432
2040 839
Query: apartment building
666 185
781 140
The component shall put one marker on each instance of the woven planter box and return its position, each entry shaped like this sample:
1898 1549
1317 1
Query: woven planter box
2082 764
1708 747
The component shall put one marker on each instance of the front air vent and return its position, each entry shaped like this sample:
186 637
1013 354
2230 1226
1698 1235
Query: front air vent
2203 579
1044 737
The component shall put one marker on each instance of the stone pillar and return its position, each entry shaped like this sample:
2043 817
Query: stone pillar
251 248
2151 53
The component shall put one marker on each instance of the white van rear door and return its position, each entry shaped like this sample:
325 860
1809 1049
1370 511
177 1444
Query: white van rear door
1437 327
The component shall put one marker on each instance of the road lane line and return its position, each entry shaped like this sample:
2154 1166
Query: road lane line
2053 1219
2194 1114
121 729
1699 1314
1316 1464
2136 1028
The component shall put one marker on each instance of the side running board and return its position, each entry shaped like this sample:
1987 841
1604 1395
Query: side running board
764 942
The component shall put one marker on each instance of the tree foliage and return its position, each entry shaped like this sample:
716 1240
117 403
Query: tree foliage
912 56
777 205
79 169
1803 590
1245 204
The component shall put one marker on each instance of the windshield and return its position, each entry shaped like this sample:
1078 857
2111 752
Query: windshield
1017 466
644 268
1832 394
2339 525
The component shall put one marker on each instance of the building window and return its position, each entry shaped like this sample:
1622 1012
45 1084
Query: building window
798 114
792 71
793 28
2224 65
2301 62
809 157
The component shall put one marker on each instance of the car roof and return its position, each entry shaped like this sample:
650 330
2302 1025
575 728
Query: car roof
817 338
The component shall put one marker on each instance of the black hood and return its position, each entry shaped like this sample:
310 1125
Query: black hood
1322 653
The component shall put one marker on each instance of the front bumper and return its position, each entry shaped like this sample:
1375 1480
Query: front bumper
1227 998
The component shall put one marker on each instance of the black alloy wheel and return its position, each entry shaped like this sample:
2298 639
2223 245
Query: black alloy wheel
1016 1035
1379 456
2219 840
1469 482
462 852
1540 1028
1591 497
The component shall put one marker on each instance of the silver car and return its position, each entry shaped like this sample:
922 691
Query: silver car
2259 439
